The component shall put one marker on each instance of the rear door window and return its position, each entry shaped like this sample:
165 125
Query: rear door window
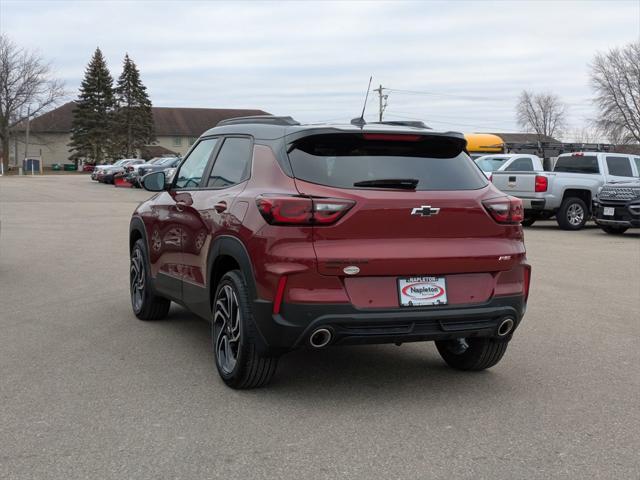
577 164
637 160
520 165
341 160
619 166
233 163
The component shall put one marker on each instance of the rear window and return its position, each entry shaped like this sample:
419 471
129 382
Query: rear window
340 160
490 164
577 164
520 165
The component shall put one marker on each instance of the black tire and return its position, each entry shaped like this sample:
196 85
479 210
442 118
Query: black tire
613 230
234 337
481 354
528 221
145 304
573 214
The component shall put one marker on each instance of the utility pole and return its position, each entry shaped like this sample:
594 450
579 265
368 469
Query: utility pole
26 135
382 99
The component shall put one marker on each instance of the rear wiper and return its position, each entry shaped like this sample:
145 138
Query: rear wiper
404 183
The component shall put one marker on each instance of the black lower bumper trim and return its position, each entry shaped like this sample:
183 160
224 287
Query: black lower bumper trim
623 215
349 325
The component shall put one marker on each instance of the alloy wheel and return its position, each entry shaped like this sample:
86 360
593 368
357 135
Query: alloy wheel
575 214
227 331
137 279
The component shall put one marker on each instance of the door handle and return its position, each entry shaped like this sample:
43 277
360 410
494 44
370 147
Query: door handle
220 206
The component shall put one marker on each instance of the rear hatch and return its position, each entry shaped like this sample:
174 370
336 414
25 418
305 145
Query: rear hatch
417 205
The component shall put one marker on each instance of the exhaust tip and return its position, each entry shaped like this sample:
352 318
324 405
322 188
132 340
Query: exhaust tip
320 338
505 327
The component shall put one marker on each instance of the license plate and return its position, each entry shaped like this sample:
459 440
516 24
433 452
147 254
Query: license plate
420 291
609 211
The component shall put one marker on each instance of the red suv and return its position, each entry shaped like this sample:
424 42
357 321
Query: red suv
285 235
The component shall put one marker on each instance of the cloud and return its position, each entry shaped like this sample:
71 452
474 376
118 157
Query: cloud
468 61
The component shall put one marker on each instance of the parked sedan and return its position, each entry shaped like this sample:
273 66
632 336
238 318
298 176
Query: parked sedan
162 164
108 173
134 167
99 169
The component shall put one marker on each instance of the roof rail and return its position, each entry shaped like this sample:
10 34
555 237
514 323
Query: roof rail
261 119
403 123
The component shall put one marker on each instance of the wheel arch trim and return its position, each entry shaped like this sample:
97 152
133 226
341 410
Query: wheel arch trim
228 245
137 225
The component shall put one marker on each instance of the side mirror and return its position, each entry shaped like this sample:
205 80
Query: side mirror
154 182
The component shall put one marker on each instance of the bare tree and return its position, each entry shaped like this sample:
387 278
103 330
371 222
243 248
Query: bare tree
615 77
543 113
26 82
587 134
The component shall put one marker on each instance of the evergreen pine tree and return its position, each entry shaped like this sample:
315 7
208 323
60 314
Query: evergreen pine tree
93 115
133 126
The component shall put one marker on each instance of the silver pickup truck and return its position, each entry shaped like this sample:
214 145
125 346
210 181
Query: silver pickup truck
568 192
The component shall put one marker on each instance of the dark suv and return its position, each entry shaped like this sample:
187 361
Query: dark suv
617 207
285 235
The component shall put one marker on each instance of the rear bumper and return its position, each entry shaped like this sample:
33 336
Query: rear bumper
350 326
533 204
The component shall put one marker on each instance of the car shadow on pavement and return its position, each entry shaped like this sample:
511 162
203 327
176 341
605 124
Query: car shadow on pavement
383 370
350 371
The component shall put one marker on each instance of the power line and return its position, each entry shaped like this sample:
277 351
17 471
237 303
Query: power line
449 117
581 103
431 120
451 95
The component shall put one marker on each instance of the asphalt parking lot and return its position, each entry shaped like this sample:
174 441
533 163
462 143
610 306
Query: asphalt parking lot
88 391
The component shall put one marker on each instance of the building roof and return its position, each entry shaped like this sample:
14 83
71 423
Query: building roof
151 151
191 122
194 121
57 120
524 138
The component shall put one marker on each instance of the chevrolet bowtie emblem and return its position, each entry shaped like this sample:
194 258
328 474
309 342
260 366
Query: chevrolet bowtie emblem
425 211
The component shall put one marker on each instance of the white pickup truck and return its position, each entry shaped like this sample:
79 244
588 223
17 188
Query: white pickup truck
568 191
508 162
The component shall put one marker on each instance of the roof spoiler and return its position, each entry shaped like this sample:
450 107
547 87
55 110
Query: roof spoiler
259 119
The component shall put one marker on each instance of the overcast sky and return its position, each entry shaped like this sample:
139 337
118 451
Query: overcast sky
456 65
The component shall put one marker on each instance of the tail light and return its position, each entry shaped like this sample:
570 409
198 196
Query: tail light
291 210
542 183
507 210
491 177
